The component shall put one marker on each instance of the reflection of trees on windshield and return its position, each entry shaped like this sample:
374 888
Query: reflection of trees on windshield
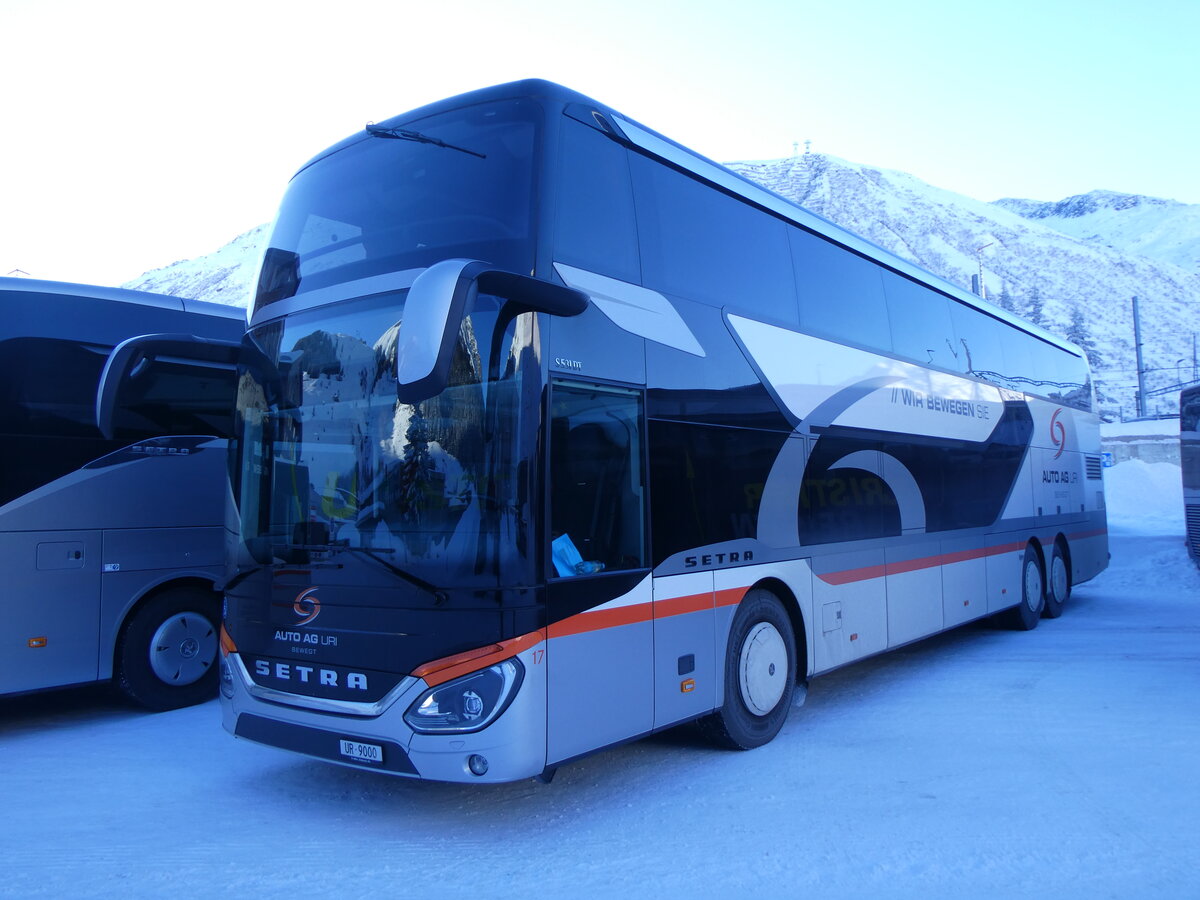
398 475
331 457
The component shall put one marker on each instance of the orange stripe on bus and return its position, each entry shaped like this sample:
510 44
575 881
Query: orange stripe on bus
847 576
599 619
730 596
680 606
448 668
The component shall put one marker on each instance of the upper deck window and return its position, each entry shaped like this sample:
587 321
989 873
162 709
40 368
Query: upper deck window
705 245
456 184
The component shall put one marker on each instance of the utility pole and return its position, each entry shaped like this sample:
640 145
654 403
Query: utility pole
1141 372
979 258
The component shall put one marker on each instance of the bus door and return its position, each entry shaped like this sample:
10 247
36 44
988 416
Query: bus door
601 631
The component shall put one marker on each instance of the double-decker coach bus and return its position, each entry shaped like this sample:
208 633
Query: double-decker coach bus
110 546
551 434
1189 459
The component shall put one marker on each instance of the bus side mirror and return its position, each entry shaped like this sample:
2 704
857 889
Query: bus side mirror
135 365
437 301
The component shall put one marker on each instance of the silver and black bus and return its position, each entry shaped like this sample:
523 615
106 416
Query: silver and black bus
551 434
110 546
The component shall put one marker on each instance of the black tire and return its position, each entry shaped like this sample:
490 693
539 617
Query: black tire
167 652
1058 583
760 675
1026 614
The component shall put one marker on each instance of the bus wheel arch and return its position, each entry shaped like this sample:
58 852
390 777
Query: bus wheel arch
759 673
167 647
799 626
1058 578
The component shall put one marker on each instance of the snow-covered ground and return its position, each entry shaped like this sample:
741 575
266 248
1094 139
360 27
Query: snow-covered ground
1062 762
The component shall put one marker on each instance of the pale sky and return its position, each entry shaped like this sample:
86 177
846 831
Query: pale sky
133 134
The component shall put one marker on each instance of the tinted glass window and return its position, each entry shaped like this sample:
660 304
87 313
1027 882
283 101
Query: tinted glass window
1189 410
841 294
980 343
597 494
841 499
1189 442
920 323
1020 361
1066 376
386 203
327 452
175 397
703 244
708 484
48 386
596 227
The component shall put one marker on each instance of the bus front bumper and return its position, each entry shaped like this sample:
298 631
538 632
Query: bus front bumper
511 748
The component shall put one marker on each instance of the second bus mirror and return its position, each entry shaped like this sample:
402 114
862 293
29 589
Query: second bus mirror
135 366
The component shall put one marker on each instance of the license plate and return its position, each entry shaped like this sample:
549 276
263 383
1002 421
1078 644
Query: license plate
360 752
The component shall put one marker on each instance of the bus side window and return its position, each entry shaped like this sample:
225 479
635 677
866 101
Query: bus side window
595 226
597 494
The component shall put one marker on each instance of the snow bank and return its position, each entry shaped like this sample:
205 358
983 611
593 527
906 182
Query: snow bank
1146 498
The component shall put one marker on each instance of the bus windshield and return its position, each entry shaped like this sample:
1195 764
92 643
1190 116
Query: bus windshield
332 463
456 184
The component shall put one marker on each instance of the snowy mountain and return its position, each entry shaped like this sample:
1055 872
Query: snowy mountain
1160 229
223 276
1121 246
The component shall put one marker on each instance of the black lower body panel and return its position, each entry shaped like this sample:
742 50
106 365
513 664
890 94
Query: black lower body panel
319 743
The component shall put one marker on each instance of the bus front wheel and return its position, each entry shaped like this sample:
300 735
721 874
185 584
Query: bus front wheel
167 653
760 675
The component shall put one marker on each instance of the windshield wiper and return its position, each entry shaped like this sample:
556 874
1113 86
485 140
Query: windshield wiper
376 553
407 134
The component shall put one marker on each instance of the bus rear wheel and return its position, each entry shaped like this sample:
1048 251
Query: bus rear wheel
1058 584
760 675
167 654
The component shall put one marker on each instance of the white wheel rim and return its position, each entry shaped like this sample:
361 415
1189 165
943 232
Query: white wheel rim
1033 585
183 648
1058 579
762 668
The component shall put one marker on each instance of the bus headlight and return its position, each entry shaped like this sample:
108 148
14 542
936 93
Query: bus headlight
468 703
226 678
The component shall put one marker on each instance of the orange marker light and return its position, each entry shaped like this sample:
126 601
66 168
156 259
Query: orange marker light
686 687
36 642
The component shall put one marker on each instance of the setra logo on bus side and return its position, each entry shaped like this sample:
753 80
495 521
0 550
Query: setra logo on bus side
718 559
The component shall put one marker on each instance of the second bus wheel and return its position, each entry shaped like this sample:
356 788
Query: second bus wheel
167 652
1058 585
760 675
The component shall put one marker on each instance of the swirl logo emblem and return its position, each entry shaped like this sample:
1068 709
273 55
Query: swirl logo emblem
1058 433
307 606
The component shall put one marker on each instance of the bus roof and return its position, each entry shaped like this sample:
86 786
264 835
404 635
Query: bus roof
651 142
120 295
